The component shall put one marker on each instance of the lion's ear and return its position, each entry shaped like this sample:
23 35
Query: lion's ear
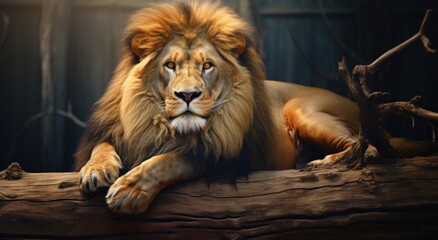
144 45
239 45
139 45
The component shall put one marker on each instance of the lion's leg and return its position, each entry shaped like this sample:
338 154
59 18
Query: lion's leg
133 192
101 170
322 130
370 154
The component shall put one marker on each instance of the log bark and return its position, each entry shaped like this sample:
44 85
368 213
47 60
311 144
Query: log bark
396 200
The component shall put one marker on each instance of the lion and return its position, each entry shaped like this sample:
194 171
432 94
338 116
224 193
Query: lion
189 99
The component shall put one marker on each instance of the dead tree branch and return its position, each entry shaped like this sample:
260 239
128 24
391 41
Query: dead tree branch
371 112
420 35
406 107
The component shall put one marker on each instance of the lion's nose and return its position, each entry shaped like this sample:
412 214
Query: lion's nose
188 96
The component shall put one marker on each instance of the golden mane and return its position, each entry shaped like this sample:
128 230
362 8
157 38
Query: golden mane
129 117
190 20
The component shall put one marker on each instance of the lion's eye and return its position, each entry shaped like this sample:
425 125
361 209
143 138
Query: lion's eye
207 65
170 65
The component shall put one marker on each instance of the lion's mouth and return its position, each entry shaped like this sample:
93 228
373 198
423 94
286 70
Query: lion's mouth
188 122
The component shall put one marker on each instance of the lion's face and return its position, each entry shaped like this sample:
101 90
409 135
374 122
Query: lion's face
187 87
191 83
187 83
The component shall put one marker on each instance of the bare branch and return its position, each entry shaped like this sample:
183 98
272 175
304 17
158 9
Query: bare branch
433 130
371 68
426 43
370 113
71 116
402 107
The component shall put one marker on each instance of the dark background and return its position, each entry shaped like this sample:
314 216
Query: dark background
57 56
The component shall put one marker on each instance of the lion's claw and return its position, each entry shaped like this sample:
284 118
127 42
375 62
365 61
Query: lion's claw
127 196
93 177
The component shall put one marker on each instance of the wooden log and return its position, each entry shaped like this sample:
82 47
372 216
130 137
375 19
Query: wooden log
397 200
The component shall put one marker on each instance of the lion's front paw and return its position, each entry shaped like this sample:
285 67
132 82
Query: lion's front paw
94 176
127 195
319 164
331 160
327 162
